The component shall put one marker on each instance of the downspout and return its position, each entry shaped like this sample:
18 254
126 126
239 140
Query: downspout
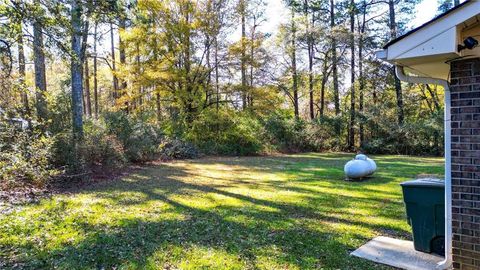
447 263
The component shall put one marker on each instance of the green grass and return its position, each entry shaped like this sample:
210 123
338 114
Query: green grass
285 212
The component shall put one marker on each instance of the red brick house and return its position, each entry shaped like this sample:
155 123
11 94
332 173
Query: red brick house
445 52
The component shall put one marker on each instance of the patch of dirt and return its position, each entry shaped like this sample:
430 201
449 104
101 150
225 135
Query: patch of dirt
75 183
10 200
14 198
395 234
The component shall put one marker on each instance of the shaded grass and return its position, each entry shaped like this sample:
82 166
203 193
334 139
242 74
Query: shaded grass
285 212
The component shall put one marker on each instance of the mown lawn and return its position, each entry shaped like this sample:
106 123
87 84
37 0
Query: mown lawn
285 212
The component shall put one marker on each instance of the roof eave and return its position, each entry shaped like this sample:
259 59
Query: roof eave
426 24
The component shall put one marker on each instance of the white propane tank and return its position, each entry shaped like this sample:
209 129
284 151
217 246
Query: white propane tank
360 167
373 165
361 157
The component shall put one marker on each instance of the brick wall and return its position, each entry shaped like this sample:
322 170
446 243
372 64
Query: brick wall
465 89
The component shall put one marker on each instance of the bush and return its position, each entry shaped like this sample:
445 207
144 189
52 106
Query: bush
118 124
423 137
177 149
410 139
25 158
142 143
288 134
322 134
102 149
98 148
139 138
64 154
226 132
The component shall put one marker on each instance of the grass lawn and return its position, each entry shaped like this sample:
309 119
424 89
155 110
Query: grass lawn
285 212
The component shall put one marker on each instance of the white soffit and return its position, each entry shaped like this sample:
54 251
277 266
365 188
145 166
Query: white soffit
470 28
433 66
438 70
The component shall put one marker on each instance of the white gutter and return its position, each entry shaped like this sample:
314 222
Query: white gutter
447 263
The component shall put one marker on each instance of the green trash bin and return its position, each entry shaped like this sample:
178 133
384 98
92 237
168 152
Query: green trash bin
425 203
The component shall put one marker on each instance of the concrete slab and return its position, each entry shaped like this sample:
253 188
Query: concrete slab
397 253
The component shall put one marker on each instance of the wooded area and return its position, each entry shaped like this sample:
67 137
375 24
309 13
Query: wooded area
88 83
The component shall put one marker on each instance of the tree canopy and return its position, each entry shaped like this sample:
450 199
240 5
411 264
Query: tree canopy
205 72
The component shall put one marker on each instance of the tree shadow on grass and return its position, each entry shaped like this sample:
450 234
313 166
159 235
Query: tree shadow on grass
328 168
298 233
134 241
296 242
157 188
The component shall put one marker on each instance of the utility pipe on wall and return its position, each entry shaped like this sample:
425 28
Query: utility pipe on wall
447 263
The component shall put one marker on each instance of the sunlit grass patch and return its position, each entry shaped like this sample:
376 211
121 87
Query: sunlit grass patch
283 212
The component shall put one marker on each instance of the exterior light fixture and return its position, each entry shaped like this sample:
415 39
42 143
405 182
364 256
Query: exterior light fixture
468 43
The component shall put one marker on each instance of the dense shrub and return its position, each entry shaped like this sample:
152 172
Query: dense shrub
102 149
140 139
64 153
177 149
142 143
119 124
98 148
422 137
410 139
25 158
226 132
288 134
33 156
60 110
234 133
322 133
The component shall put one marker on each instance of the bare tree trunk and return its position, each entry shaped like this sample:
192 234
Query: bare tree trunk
252 53
40 77
361 88
322 97
310 58
217 85
95 80
158 104
187 43
294 67
244 60
84 103
140 99
122 56
325 75
351 129
88 99
114 65
398 85
336 95
22 73
208 48
208 91
139 73
434 97
252 59
427 100
76 71
155 89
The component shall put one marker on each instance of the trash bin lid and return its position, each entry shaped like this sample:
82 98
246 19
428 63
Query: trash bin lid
424 182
